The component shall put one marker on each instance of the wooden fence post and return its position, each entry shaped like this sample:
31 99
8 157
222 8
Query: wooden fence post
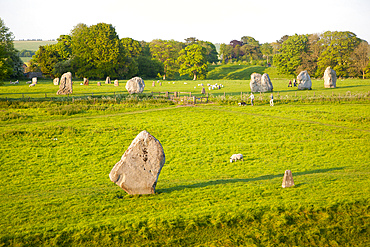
194 100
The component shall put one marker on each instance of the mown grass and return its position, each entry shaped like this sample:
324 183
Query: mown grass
56 190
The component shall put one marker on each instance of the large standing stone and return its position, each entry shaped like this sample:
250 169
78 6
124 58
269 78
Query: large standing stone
255 83
107 80
288 179
135 85
56 81
138 170
304 81
266 85
330 78
65 86
260 83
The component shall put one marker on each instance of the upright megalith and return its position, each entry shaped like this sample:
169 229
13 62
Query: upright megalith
288 179
65 86
86 81
116 83
266 85
56 81
138 170
135 85
255 82
330 78
107 80
260 83
304 81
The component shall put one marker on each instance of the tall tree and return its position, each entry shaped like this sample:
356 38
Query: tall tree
10 63
289 58
360 59
167 52
97 52
310 56
226 52
336 50
267 50
211 51
192 61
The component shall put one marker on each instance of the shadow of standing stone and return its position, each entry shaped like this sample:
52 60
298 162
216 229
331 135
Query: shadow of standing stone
138 170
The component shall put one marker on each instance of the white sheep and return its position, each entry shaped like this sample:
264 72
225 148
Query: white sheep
236 157
32 85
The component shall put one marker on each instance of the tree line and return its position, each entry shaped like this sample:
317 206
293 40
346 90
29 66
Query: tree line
96 52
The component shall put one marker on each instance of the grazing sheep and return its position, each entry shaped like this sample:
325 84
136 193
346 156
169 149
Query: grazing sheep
236 157
32 85
29 82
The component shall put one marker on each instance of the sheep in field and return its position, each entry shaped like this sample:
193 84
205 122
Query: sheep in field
236 157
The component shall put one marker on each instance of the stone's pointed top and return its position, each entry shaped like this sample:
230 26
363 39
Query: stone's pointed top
288 179
138 170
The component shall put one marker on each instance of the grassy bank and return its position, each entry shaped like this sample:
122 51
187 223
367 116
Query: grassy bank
56 190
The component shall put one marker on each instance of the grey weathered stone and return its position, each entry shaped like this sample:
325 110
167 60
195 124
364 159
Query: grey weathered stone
266 85
56 81
138 170
98 83
107 80
304 81
116 83
288 179
203 90
65 86
255 83
86 81
330 78
135 85
260 83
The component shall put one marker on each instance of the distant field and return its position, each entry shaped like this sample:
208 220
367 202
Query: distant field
31 45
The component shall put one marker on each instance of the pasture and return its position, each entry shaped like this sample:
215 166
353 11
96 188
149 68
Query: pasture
57 153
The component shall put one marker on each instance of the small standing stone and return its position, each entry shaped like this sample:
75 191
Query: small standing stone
138 170
56 81
34 80
98 83
107 81
288 179
86 81
203 90
153 84
116 83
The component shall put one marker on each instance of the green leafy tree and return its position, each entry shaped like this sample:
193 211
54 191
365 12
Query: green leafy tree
360 59
226 52
267 50
310 57
336 50
10 63
97 52
46 58
289 58
211 51
167 52
192 61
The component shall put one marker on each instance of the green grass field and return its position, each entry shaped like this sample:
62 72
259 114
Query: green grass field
57 154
